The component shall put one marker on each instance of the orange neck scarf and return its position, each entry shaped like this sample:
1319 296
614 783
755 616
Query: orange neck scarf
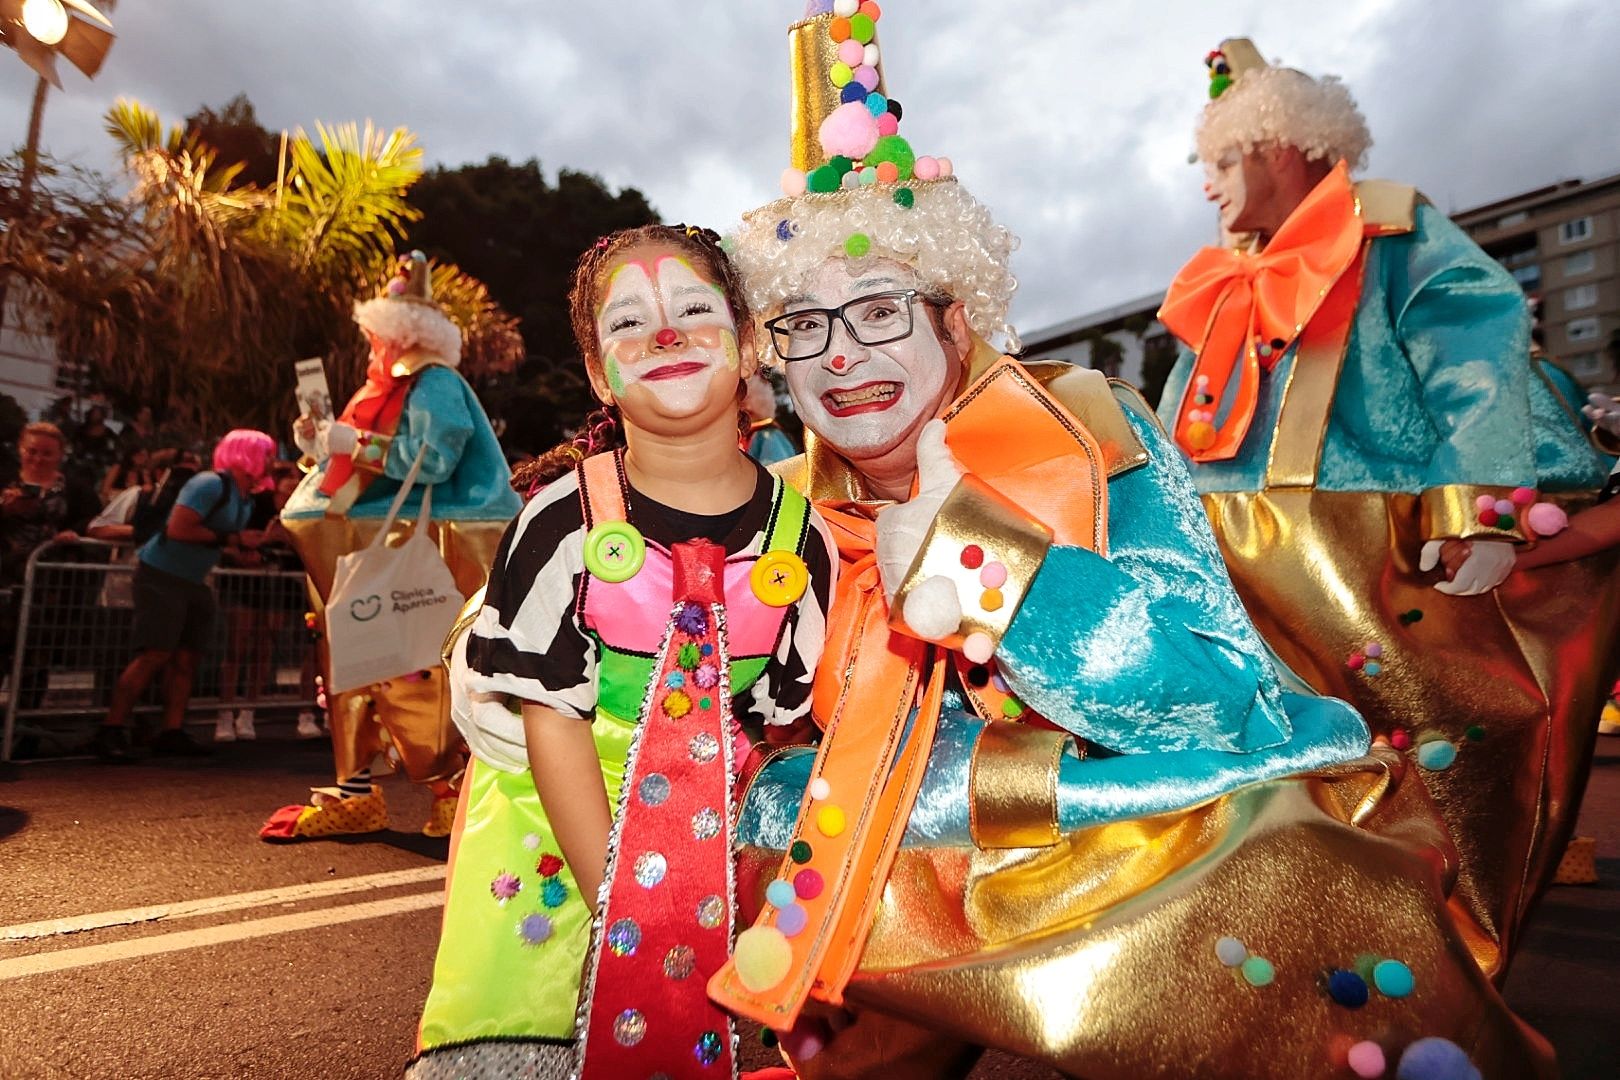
1239 311
375 407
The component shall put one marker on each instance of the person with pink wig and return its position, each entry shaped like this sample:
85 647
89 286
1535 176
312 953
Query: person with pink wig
174 605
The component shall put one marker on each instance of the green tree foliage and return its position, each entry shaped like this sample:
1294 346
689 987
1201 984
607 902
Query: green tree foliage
237 138
521 235
197 291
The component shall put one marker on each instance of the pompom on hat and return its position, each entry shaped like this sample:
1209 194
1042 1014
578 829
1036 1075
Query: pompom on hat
407 315
857 189
1253 103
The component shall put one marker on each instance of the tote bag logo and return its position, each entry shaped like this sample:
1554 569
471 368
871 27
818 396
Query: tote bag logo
366 608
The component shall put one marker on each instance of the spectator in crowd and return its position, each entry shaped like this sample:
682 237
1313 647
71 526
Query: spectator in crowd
133 469
95 447
140 432
43 504
174 606
256 609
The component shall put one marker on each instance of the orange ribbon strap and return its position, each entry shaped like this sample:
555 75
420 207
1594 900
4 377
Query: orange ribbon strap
1239 310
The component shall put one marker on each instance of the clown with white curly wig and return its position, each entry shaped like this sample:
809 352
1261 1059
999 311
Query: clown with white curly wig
1375 442
413 408
1038 685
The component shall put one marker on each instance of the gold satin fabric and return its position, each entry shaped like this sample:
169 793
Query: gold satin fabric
1526 666
1096 955
410 716
811 54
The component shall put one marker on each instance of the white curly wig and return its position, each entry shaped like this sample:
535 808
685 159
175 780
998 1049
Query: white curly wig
1288 107
947 236
409 322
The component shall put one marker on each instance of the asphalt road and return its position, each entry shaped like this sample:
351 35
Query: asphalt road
129 950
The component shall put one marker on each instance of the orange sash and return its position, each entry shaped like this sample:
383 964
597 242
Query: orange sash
1227 305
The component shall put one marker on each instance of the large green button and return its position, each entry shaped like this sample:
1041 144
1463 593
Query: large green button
614 551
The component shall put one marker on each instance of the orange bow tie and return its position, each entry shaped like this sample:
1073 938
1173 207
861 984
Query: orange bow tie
1239 310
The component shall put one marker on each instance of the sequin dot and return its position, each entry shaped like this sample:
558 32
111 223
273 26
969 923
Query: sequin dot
706 824
679 962
505 886
703 748
707 1050
535 929
629 1027
800 852
819 788
1230 951
654 789
711 912
623 937
531 841
553 893
650 869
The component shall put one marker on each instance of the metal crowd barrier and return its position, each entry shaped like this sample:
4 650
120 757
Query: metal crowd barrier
74 615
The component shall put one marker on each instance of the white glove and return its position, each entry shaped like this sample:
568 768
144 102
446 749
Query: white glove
341 438
315 445
1488 564
1603 411
902 528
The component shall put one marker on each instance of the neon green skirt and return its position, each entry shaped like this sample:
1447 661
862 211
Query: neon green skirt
515 929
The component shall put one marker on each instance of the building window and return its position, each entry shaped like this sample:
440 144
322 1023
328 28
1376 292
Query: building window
1581 297
1507 221
1572 231
1582 262
1585 365
1582 329
1528 277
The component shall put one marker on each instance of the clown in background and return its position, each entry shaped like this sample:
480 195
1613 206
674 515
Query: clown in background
412 399
1374 444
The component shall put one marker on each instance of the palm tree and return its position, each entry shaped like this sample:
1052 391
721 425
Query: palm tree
218 287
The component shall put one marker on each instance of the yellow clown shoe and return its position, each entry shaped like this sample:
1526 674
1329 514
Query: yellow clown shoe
1609 722
329 815
1579 864
441 816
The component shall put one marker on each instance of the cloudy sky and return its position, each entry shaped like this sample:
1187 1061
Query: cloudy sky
1072 119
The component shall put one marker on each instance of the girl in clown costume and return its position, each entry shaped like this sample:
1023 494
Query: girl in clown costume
652 617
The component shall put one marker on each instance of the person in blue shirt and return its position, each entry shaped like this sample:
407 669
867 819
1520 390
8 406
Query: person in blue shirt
174 604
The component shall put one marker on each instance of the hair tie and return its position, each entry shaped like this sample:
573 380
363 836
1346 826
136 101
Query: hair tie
603 242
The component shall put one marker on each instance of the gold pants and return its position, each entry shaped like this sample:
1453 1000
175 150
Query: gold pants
412 715
1513 679
1097 956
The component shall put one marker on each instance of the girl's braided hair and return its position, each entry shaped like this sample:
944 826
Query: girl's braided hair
601 430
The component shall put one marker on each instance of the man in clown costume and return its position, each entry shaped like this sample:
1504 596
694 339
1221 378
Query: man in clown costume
1065 803
413 402
1373 442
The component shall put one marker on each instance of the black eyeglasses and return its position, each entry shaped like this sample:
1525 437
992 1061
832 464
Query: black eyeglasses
877 319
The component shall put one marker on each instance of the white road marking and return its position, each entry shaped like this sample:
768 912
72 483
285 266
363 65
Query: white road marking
213 905
86 955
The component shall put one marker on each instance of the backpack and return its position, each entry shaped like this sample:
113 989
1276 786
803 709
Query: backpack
151 516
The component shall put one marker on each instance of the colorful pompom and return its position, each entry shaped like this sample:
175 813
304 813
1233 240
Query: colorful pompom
677 705
876 104
926 168
851 52
1200 435
1435 1058
838 30
849 131
888 124
905 197
793 185
762 957
845 8
1523 496
861 28
1545 519
853 92
549 865
841 74
945 167
858 245
888 172
867 77
870 56
893 149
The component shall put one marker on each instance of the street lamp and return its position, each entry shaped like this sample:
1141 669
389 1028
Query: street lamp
40 31
47 20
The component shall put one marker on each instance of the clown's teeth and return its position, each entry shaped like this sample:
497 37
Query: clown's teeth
846 399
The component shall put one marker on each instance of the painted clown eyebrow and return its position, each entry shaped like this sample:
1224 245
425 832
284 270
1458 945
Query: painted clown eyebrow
622 302
867 283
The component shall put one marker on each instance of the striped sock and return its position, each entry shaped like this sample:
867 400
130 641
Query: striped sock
356 785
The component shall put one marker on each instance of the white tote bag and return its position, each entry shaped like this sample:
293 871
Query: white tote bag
390 608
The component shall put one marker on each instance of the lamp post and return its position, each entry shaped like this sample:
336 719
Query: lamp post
40 31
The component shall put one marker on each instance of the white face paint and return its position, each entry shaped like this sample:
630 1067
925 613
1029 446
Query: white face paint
1226 186
869 402
667 336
